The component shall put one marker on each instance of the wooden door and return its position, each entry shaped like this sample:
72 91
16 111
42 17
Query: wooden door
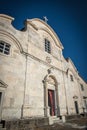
51 102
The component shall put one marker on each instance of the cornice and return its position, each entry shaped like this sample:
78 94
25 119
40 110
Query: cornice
41 61
6 17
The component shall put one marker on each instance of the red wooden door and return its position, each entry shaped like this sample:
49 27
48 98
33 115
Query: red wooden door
51 102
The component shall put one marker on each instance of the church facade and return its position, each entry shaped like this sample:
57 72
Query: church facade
35 78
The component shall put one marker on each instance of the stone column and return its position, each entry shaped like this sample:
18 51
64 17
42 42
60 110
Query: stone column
57 101
48 111
46 108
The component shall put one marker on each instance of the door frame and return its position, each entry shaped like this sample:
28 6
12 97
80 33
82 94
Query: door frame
46 83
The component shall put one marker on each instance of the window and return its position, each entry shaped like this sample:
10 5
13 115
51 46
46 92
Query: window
82 87
71 77
4 48
47 46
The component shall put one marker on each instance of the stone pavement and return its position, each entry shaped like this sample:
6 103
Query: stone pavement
42 124
76 124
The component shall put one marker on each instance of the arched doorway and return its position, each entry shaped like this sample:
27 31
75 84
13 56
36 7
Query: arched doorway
51 101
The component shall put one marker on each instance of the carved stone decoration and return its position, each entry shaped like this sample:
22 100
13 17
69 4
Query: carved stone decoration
75 97
50 80
48 59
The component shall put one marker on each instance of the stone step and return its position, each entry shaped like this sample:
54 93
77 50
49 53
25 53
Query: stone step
56 119
70 117
53 120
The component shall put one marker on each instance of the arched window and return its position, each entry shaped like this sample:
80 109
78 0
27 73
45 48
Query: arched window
4 48
47 46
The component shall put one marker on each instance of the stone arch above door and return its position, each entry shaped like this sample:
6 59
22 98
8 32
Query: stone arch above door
51 80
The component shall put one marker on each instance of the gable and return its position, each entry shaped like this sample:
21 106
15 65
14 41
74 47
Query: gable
38 25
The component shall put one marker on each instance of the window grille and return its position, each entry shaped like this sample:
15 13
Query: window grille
47 46
4 48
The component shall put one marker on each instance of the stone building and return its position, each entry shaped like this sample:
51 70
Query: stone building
35 78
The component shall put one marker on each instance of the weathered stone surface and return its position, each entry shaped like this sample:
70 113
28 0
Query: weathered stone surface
29 72
27 124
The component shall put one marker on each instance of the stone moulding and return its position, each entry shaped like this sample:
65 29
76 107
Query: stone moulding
10 36
9 18
2 84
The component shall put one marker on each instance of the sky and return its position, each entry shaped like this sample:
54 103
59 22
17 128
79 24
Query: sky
68 18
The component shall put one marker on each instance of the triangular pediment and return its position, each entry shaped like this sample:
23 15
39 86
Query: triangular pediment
2 84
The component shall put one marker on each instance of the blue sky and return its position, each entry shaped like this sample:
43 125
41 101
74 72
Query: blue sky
68 18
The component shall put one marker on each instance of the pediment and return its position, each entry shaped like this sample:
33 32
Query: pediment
39 24
2 84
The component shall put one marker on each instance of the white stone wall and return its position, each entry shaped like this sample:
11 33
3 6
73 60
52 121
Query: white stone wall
25 69
12 72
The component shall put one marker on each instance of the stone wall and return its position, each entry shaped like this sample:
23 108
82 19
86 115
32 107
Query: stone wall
28 67
26 124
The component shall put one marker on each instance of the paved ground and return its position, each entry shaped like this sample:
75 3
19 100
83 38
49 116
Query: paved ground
76 124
